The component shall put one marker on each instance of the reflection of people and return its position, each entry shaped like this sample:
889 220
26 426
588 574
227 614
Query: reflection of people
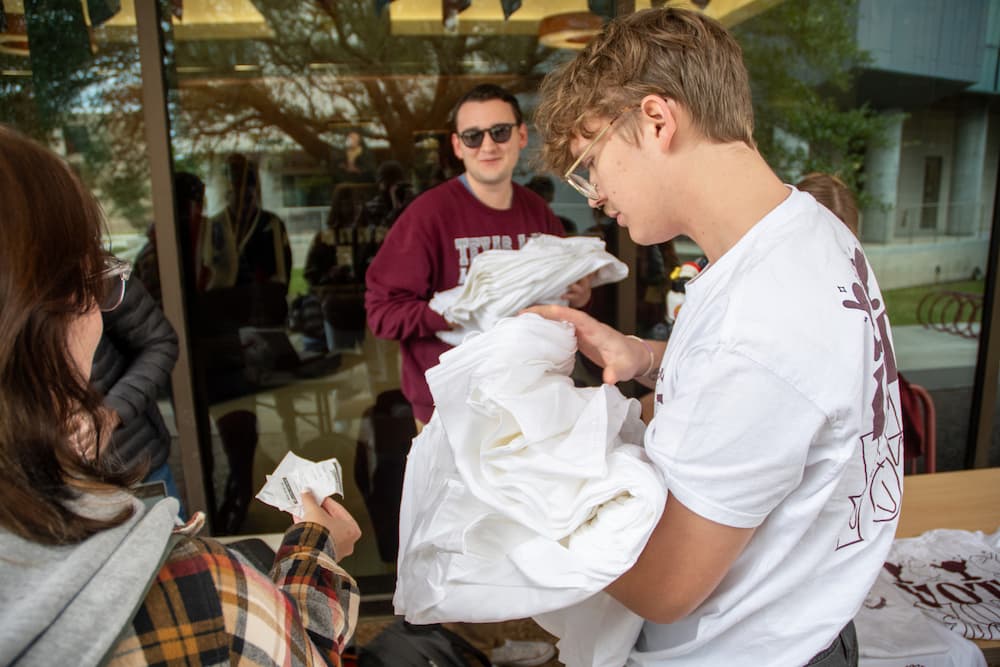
431 166
431 245
332 271
378 214
546 189
777 422
131 366
357 164
330 256
245 244
189 200
79 550
246 263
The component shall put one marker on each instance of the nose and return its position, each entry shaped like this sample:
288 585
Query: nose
488 142
601 199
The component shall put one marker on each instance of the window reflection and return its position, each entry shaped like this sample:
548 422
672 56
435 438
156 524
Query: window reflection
345 122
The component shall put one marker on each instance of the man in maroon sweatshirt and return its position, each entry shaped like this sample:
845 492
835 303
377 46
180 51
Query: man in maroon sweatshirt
431 245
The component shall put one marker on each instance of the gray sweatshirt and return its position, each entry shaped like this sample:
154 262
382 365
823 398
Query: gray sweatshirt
67 605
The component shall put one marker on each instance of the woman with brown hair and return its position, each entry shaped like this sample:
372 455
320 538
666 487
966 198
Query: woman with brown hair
833 193
89 575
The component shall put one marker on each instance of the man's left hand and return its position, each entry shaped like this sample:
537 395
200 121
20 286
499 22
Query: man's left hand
578 294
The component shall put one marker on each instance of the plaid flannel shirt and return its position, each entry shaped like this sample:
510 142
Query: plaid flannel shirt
207 607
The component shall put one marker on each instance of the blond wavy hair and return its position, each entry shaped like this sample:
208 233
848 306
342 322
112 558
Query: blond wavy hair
678 54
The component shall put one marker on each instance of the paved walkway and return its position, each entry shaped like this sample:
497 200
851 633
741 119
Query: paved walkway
935 359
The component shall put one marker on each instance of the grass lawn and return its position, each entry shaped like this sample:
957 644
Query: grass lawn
297 284
902 303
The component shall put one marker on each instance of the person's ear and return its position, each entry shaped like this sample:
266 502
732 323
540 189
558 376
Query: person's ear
456 145
522 135
659 119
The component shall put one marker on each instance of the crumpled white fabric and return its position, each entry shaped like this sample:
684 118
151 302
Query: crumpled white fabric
501 282
526 496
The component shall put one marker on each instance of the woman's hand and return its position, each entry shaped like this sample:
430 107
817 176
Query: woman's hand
621 357
338 521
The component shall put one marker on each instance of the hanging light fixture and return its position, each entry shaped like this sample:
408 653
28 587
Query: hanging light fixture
572 30
450 10
509 7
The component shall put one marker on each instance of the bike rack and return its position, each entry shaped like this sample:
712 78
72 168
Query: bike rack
952 312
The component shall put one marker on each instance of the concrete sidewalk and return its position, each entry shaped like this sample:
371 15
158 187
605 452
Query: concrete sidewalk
935 359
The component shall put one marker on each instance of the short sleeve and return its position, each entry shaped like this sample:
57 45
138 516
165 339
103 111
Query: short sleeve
733 439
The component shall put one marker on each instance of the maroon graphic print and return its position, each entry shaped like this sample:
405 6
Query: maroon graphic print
963 592
880 491
468 247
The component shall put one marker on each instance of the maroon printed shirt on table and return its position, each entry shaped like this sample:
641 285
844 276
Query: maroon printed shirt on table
429 249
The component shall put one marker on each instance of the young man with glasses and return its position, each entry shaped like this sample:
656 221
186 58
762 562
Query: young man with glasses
430 248
777 424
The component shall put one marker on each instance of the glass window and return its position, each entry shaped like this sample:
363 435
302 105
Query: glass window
286 112
293 115
852 90
70 78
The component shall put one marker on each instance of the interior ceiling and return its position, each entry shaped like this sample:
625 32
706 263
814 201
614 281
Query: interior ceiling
425 17
203 19
237 20
207 19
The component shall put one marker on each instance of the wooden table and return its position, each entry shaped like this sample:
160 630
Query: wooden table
964 500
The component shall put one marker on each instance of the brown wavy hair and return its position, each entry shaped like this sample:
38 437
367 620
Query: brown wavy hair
833 193
678 54
50 259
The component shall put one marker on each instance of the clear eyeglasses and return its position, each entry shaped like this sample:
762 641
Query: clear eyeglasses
115 274
578 174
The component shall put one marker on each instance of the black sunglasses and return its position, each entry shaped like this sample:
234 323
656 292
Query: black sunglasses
499 133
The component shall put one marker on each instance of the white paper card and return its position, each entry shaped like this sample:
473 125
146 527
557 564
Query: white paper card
283 488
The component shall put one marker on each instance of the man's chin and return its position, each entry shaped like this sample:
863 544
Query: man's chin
491 179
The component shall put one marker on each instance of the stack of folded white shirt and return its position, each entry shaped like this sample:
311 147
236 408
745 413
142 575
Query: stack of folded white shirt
501 283
526 496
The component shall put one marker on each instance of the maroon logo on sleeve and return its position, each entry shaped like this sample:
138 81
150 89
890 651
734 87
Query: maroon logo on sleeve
879 493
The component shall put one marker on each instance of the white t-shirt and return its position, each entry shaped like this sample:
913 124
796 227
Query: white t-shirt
777 408
932 590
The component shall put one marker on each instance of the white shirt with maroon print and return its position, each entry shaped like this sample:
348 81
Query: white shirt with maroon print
777 409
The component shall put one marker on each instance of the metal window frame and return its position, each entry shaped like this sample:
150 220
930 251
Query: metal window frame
157 126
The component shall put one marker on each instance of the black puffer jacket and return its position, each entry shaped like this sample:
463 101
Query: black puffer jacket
132 362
